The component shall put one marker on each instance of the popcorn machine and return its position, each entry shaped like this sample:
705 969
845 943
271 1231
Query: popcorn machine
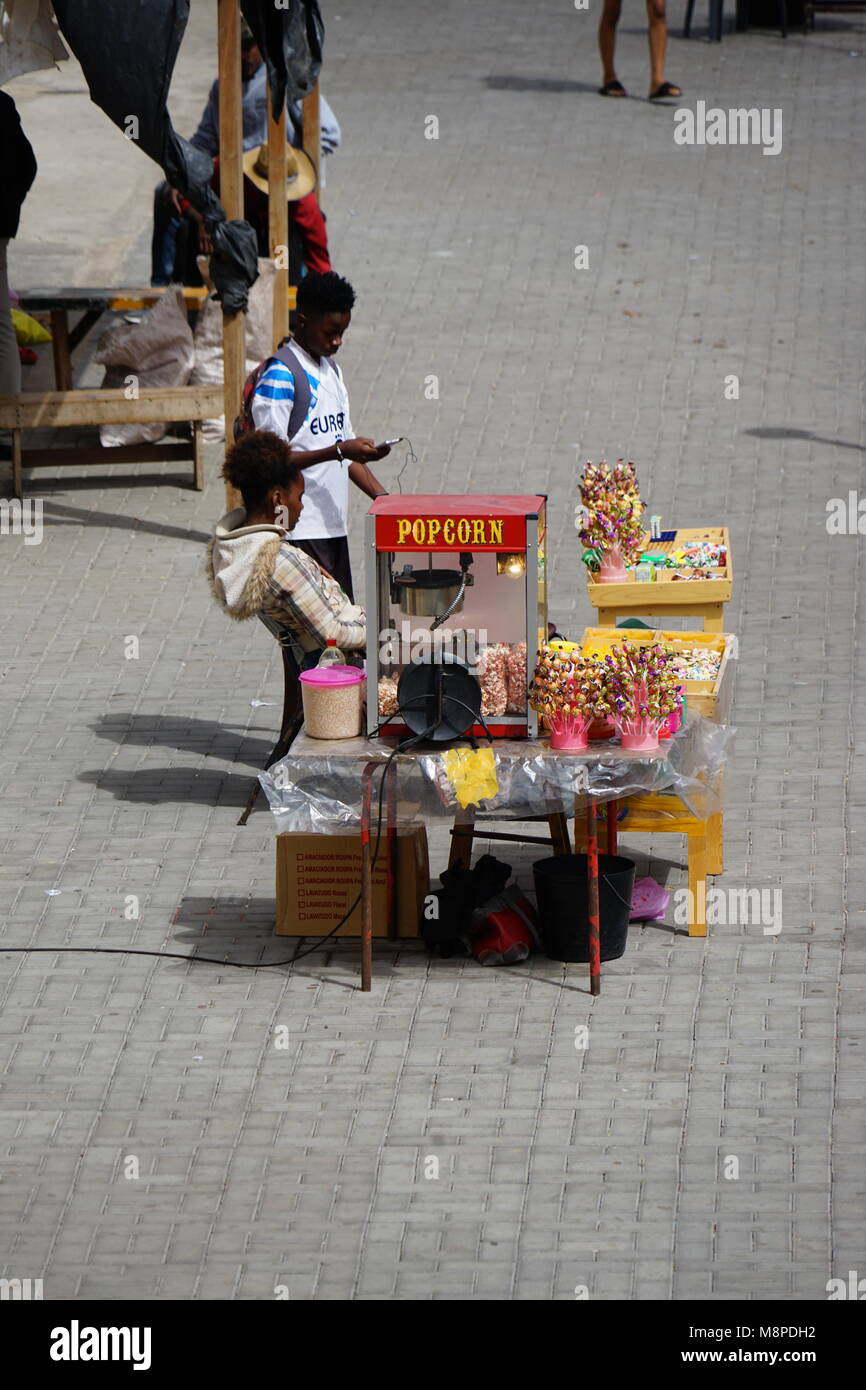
456 603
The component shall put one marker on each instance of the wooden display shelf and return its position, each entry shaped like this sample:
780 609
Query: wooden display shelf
669 598
707 697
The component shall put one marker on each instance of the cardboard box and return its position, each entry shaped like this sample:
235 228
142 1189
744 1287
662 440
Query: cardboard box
319 876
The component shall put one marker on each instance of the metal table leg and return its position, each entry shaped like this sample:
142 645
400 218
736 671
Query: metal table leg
393 905
594 923
366 880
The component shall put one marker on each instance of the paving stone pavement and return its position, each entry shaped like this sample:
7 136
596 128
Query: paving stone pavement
156 1142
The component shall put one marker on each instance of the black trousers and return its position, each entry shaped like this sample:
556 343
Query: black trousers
332 553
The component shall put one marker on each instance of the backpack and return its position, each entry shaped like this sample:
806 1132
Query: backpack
300 405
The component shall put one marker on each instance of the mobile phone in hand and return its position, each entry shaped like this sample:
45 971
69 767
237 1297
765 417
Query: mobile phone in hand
389 443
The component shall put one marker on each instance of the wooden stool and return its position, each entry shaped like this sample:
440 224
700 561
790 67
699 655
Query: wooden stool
464 832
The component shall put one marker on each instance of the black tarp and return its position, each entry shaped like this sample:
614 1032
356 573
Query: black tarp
127 50
290 41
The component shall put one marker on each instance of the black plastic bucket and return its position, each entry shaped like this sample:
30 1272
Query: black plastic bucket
562 891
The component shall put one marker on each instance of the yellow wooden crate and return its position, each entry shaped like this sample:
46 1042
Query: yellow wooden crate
707 697
669 597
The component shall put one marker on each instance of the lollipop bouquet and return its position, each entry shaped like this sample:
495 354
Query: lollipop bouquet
642 689
568 689
609 517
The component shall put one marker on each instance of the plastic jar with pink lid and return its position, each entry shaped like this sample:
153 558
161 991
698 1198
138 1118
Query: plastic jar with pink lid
333 701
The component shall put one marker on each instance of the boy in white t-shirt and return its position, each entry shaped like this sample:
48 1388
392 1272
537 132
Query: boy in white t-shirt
322 444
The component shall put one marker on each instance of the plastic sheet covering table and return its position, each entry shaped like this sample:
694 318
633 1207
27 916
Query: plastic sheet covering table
327 787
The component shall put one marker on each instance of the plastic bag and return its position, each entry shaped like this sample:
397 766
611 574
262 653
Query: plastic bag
208 344
28 331
158 351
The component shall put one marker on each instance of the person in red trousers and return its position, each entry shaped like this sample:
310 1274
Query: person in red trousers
177 228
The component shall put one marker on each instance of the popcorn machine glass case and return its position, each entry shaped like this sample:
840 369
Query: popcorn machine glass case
456 579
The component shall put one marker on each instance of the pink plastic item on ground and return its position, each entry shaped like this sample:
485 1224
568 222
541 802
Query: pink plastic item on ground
649 901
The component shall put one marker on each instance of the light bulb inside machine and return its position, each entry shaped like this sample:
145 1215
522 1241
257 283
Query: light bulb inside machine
511 564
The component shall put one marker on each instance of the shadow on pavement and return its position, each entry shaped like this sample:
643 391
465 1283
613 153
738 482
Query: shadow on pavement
174 786
515 83
203 736
61 514
780 432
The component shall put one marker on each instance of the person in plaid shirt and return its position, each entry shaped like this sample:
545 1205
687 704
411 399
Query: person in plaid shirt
252 566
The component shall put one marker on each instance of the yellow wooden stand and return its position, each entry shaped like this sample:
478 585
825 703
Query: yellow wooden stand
669 598
664 814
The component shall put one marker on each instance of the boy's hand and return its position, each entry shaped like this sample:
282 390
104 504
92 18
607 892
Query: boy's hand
362 450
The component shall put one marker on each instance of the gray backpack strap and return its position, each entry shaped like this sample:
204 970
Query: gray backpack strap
303 395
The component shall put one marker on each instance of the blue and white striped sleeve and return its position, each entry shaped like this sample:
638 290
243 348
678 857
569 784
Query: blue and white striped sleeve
273 399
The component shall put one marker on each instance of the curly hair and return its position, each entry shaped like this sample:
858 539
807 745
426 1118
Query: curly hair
259 461
326 293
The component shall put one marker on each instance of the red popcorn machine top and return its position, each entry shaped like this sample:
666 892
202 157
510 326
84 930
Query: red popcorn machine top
456 604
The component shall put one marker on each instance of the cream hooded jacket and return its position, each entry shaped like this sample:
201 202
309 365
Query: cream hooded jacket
256 569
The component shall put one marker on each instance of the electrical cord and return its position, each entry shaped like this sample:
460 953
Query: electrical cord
243 964
411 457
238 964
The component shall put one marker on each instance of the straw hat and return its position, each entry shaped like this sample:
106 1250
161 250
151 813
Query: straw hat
301 172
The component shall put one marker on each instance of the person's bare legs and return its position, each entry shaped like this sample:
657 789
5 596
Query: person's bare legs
607 38
658 42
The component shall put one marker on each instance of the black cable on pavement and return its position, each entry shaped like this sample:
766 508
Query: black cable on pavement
236 964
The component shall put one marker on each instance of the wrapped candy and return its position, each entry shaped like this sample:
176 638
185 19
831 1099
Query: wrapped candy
696 664
699 555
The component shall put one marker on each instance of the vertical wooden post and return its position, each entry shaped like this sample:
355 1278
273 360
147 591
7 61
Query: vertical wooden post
313 134
278 220
594 918
61 350
232 198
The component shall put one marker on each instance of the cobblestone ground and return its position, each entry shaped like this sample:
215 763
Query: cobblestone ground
304 1167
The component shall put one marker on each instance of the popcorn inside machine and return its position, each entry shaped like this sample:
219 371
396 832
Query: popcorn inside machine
456 609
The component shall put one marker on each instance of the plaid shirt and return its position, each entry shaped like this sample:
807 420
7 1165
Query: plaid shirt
302 597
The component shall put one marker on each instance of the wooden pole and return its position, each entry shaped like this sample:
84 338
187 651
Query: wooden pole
232 198
313 134
278 220
594 921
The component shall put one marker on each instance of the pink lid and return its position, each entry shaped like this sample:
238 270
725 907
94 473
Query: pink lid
332 675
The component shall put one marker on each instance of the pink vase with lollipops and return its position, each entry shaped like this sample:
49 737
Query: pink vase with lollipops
639 735
568 732
612 568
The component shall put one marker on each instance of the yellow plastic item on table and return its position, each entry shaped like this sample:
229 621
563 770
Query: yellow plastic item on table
472 772
28 331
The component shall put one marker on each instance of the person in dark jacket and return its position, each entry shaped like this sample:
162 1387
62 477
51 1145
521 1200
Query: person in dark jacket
19 171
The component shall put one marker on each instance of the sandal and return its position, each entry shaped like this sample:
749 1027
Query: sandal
612 89
667 89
